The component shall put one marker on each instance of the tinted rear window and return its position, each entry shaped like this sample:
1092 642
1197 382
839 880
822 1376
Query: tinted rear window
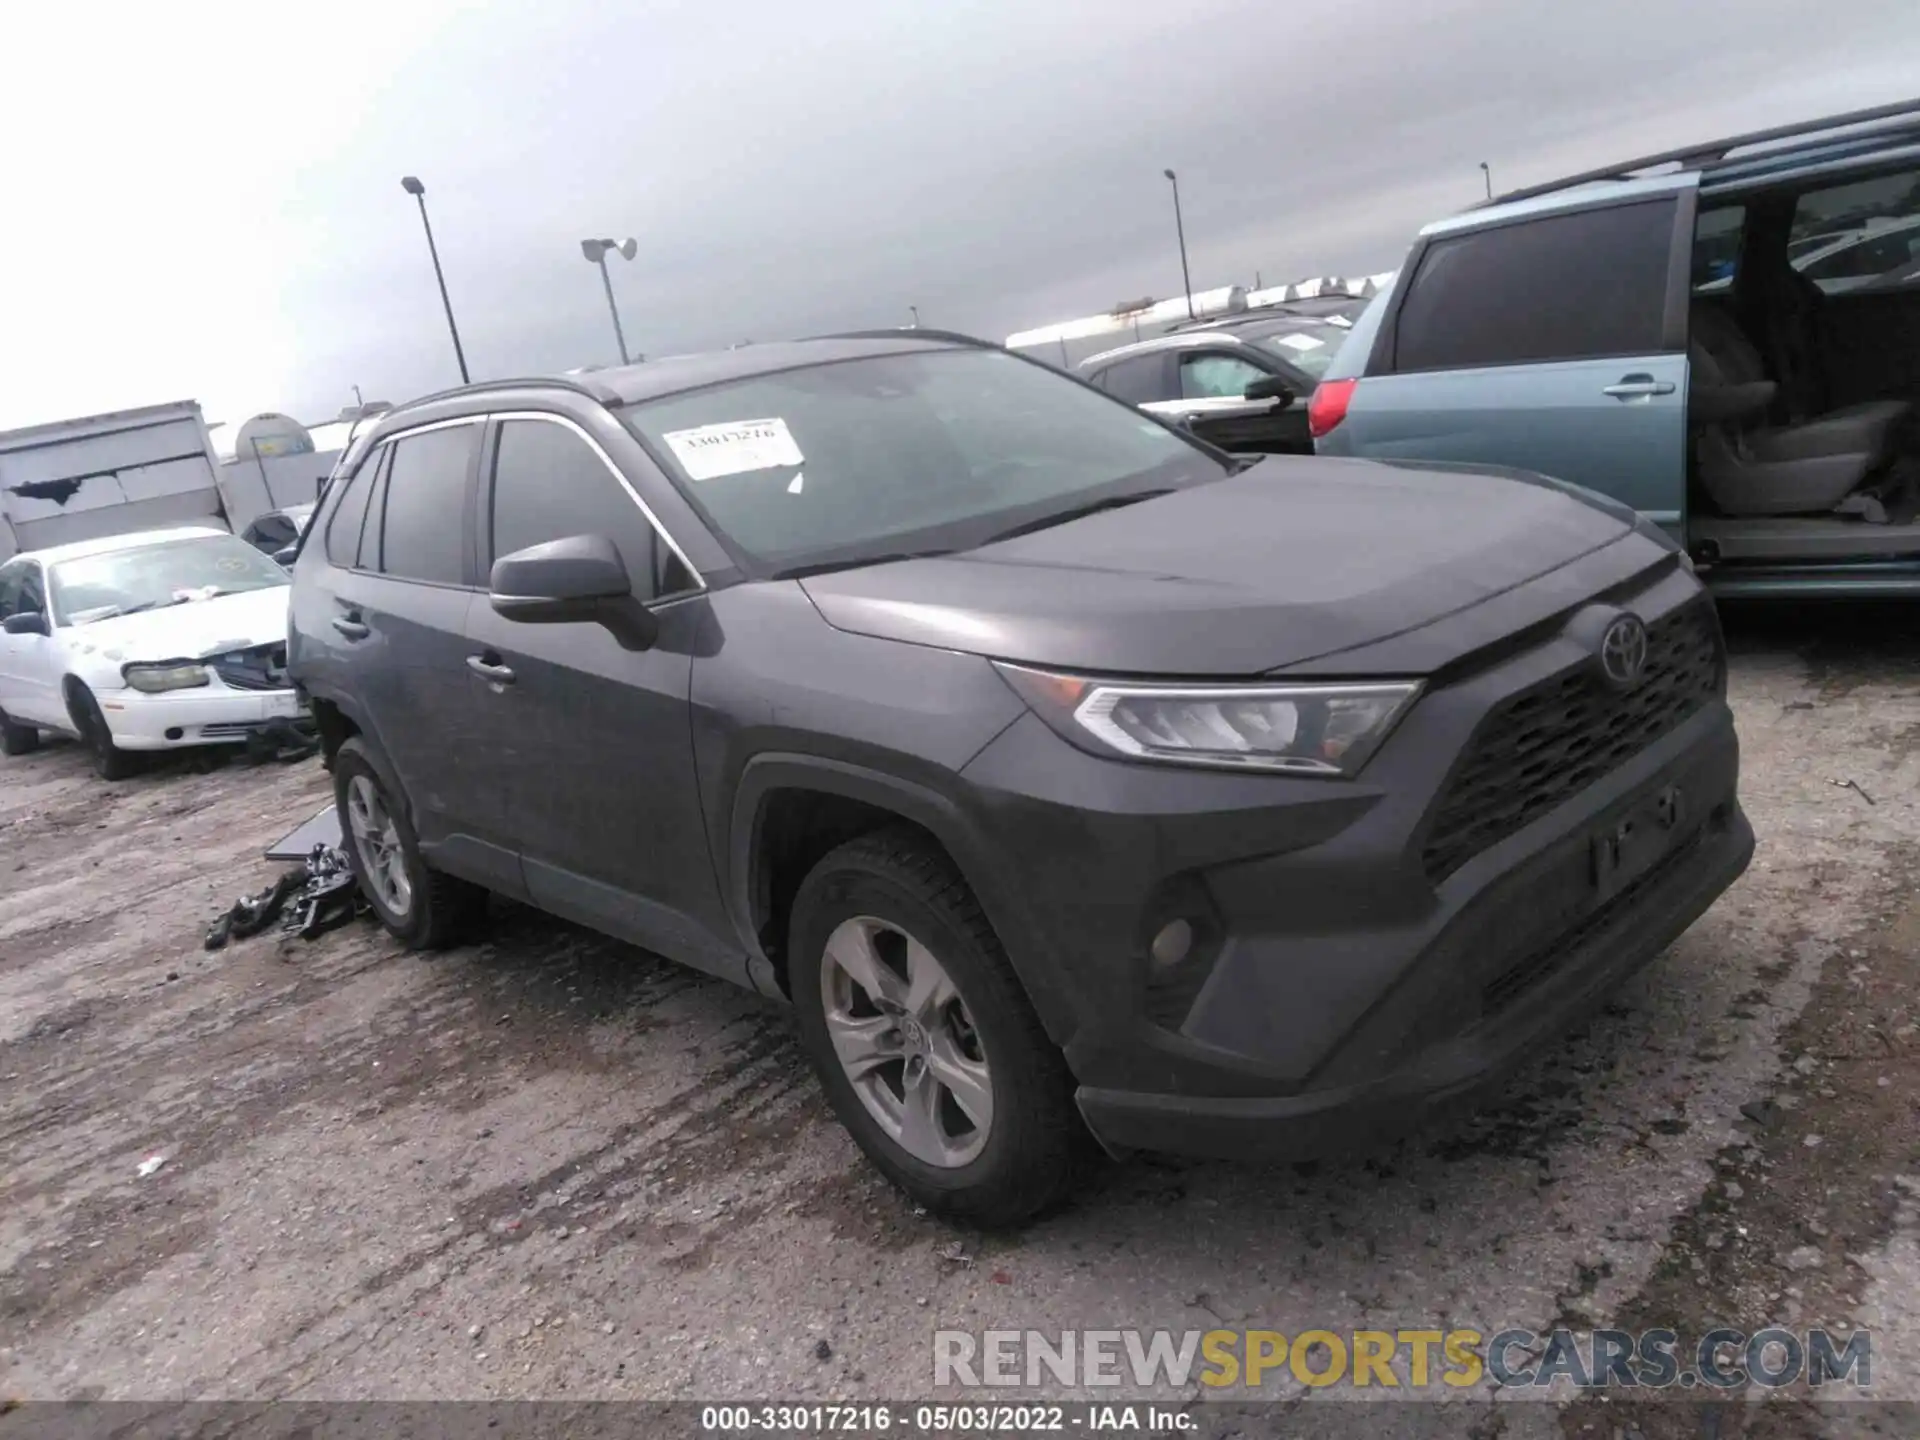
1563 287
1137 381
424 536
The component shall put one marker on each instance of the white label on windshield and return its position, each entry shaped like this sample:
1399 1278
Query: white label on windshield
1302 343
1341 321
734 448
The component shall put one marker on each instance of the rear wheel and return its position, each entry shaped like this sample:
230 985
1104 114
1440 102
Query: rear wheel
923 1038
422 908
110 762
17 739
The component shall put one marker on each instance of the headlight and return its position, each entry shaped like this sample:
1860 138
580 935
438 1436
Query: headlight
172 675
1298 729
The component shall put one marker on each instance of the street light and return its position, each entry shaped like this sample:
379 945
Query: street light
916 315
413 187
596 253
1487 171
1181 230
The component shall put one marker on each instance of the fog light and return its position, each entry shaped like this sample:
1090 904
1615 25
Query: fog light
1172 945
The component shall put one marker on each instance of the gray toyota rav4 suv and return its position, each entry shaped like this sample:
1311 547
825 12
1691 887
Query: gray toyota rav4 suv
1069 777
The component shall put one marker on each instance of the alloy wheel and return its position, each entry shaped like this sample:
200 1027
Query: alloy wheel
906 1041
377 839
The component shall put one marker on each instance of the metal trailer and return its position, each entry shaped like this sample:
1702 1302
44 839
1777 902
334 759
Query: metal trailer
108 474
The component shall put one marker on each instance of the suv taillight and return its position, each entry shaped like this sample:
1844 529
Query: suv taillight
1328 407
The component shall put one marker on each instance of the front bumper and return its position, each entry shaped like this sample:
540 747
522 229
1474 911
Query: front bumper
1343 974
209 715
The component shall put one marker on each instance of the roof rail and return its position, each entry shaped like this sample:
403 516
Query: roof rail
1902 113
601 393
917 332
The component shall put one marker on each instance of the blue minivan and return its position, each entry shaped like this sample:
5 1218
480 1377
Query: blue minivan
1654 332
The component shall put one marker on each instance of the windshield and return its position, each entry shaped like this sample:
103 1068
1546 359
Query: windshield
1309 347
147 577
934 450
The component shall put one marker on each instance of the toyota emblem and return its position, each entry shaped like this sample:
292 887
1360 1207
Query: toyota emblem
1623 651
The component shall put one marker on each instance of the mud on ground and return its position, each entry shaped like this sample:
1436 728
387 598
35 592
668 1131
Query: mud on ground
551 1166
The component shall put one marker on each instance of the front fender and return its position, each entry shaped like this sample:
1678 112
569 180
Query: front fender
938 814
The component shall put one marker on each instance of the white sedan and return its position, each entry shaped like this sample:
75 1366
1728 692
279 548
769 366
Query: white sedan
151 641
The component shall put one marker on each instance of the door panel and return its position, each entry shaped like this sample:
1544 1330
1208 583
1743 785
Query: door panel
593 747
1558 419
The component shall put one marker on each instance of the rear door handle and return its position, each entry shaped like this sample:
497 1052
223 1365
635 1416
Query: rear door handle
490 670
350 626
1633 387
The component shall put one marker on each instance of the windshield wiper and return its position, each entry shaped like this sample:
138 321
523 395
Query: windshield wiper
824 567
1078 512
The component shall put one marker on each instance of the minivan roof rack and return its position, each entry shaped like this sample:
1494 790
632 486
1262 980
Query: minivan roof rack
1894 117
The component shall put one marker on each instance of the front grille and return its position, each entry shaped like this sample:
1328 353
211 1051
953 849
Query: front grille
1541 747
260 667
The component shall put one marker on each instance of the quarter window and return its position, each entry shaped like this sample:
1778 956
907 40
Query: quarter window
350 513
1563 287
423 533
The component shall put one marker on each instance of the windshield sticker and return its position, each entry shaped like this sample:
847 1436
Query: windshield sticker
798 483
1302 343
734 448
1341 321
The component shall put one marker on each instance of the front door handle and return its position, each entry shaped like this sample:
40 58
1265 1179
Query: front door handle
490 670
1635 387
350 626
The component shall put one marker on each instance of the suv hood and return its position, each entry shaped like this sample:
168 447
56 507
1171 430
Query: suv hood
1291 560
190 631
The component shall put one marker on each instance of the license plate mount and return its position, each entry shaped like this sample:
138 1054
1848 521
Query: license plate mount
1628 848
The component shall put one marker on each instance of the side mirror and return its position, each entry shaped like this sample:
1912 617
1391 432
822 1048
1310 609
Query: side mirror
580 578
27 622
287 554
1270 387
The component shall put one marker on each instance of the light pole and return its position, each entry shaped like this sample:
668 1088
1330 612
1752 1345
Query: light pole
596 252
413 187
1487 172
916 315
1180 229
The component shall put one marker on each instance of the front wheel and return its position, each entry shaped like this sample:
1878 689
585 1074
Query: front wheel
110 762
421 908
929 1051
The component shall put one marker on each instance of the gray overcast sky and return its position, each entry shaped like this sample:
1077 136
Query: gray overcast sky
203 198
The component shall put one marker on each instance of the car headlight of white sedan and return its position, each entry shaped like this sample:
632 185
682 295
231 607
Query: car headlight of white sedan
157 678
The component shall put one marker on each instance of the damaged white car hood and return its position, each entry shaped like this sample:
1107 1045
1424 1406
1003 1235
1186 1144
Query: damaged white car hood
189 631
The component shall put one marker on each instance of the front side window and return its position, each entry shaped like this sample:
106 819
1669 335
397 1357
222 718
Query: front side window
1584 285
423 531
549 484
152 577
1216 377
941 449
1861 233
12 582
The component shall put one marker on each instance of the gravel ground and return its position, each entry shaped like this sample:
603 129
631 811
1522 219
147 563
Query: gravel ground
551 1166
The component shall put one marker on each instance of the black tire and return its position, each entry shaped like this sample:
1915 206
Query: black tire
17 739
110 762
1036 1149
441 910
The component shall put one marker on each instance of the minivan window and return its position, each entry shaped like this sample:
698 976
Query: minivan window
1562 287
350 513
549 484
423 530
940 449
1851 235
